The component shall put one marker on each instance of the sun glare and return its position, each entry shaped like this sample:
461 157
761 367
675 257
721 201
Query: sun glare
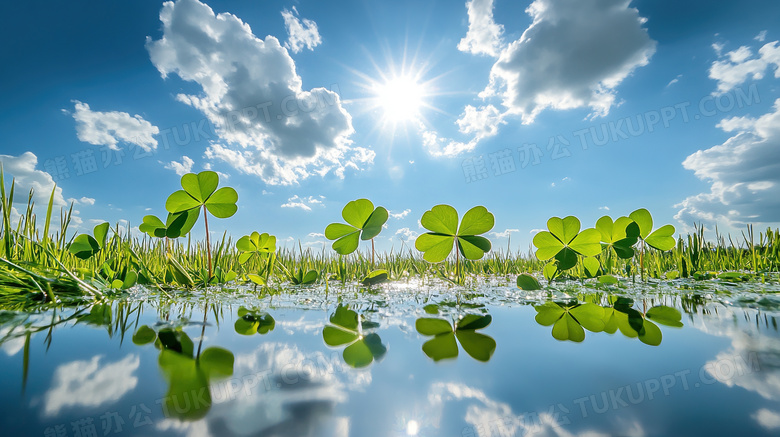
400 98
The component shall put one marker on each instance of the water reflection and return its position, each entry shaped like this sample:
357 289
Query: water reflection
90 383
570 319
254 321
311 371
345 328
443 345
187 372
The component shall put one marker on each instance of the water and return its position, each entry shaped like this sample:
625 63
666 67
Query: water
80 371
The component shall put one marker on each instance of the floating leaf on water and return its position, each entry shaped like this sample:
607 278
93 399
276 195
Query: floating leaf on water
431 308
375 277
608 280
528 283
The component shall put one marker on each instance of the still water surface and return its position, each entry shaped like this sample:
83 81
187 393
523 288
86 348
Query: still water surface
400 361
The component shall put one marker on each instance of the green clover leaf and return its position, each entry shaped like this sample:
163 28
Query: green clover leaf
363 223
444 343
442 221
661 238
568 320
620 235
564 241
85 246
343 329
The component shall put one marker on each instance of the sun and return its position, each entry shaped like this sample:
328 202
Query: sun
400 98
398 95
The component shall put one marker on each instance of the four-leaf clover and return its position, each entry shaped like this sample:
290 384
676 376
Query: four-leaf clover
255 244
442 221
564 241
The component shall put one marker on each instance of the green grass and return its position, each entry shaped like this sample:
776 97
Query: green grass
36 266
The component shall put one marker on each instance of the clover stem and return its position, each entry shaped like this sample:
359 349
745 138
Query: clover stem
203 329
372 254
642 261
457 262
208 241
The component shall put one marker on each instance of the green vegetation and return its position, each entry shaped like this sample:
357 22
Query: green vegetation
443 345
364 223
442 222
38 267
570 319
251 321
186 370
200 191
347 328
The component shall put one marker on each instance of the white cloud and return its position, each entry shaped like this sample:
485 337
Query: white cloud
208 166
483 122
438 146
674 81
480 123
301 34
306 388
484 35
768 419
111 128
488 417
400 215
504 234
744 173
13 339
761 37
181 168
752 361
406 234
573 55
737 66
268 125
304 203
316 235
283 241
718 47
23 170
90 383
605 208
82 201
566 179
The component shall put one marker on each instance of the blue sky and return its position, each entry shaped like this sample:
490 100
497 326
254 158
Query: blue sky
533 109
